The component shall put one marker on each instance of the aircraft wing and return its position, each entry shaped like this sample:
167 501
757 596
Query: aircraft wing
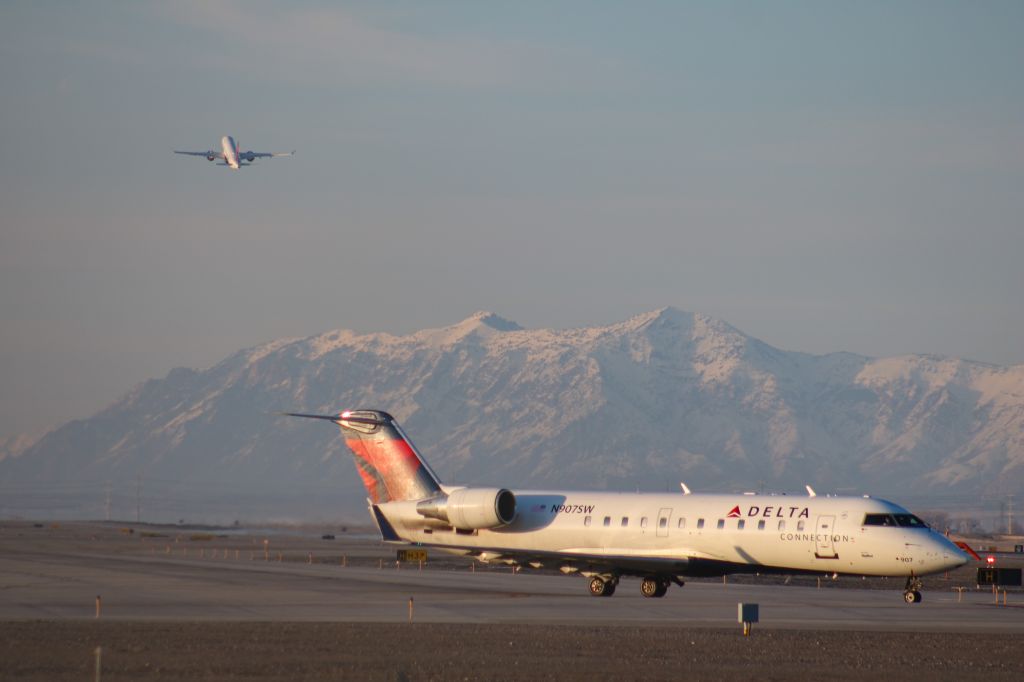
681 561
264 155
624 561
216 155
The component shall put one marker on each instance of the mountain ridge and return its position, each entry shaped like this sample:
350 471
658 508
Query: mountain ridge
663 395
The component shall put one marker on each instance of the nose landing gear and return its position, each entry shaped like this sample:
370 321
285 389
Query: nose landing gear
912 591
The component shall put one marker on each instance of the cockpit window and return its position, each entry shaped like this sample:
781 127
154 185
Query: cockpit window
902 520
910 521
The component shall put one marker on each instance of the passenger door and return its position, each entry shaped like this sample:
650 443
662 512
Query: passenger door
824 548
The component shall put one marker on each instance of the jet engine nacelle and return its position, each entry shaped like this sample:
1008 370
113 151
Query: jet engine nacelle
210 157
471 508
249 156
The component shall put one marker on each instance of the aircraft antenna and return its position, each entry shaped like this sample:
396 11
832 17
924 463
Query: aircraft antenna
810 491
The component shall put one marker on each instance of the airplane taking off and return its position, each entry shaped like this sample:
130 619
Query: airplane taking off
230 155
661 538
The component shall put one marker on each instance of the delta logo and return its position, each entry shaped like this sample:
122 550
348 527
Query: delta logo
771 511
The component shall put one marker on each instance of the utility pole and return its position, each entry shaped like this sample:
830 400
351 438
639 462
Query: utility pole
138 498
108 500
1009 515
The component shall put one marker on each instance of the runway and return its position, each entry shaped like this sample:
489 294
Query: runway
57 573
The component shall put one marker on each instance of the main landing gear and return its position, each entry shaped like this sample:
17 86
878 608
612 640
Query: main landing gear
603 587
912 592
650 586
654 587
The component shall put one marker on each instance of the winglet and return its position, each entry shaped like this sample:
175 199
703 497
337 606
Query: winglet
810 491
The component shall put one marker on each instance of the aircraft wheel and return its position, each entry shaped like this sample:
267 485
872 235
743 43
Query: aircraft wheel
662 588
912 597
599 587
649 587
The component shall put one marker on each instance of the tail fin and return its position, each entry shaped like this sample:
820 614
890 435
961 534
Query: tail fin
388 462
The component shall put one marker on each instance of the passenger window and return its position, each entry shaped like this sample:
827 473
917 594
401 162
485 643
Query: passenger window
740 524
625 521
643 521
607 521
721 523
799 526
682 522
586 521
700 523
782 525
663 522
760 524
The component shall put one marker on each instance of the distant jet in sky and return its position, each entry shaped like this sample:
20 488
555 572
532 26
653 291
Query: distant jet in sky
230 155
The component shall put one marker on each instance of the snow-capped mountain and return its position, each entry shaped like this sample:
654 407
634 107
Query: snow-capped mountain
661 397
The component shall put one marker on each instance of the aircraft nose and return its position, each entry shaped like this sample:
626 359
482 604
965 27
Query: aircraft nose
952 556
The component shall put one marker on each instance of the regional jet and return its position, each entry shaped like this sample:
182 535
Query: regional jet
232 156
660 538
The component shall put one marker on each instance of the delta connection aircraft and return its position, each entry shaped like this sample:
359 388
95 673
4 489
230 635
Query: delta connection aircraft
231 156
661 538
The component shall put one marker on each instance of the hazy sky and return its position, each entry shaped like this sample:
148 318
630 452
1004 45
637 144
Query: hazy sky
825 176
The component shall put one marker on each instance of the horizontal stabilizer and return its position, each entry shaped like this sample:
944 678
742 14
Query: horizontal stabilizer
343 416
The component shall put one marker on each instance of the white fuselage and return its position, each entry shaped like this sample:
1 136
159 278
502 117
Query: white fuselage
230 151
703 532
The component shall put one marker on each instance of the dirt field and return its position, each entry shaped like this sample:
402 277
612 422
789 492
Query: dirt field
65 650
